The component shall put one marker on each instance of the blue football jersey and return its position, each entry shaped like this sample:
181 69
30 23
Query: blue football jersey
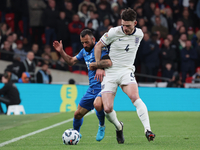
89 57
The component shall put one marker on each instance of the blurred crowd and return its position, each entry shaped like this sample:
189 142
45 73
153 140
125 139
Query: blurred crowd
171 43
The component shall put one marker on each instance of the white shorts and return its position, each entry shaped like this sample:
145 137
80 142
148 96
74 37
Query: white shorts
111 82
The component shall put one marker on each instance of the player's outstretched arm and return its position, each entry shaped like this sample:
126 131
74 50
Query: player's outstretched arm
68 59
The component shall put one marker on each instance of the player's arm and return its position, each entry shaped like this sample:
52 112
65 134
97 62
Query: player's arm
68 59
97 50
105 62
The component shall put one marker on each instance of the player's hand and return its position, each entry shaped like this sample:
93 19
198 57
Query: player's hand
100 73
58 46
93 66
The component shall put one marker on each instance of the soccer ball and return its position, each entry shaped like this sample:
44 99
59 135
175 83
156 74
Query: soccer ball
71 137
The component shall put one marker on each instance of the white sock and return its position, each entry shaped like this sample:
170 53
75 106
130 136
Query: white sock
112 117
142 113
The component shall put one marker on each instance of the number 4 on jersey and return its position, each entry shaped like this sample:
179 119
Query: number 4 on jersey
126 49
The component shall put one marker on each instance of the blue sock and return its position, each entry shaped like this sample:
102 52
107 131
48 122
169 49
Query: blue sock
77 124
101 117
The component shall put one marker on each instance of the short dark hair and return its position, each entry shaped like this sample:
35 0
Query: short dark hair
86 32
128 15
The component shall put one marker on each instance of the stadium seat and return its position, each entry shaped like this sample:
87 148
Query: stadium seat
10 20
80 72
43 39
188 80
69 51
15 110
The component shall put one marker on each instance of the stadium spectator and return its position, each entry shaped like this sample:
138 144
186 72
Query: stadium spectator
9 93
188 58
83 13
150 55
93 18
95 32
196 76
163 20
170 20
176 9
5 30
103 9
20 50
115 13
167 71
61 65
62 30
192 36
25 78
14 67
20 9
149 9
11 40
37 53
182 41
90 5
47 59
36 9
28 65
121 4
162 6
71 81
168 55
75 28
44 75
175 81
69 10
50 16
159 27
7 52
187 21
104 27
53 55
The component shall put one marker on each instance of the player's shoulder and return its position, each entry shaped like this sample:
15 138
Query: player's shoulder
116 30
138 32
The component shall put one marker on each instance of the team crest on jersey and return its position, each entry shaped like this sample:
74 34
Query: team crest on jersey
136 41
106 35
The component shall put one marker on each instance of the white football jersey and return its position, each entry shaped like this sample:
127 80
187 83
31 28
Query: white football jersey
123 48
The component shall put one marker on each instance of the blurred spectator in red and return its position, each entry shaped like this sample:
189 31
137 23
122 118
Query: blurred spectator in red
196 76
44 75
20 50
62 30
163 20
36 9
8 55
75 28
25 78
188 58
51 14
28 65
69 12
61 65
158 27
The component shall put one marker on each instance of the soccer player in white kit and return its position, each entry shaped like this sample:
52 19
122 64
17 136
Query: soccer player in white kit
124 41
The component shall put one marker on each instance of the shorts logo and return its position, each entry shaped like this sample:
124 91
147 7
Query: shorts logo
102 86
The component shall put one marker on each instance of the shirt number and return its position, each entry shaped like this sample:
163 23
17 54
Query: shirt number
126 49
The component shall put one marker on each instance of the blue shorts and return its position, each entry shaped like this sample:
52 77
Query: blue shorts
88 99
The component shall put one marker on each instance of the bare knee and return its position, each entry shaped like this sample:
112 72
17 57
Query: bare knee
98 105
134 97
108 109
78 115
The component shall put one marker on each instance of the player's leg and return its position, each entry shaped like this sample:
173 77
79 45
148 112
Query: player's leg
78 117
98 105
132 91
108 99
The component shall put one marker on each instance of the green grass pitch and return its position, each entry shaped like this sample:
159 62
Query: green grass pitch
174 131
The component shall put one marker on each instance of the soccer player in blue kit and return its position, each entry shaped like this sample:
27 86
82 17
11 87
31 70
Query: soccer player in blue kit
86 103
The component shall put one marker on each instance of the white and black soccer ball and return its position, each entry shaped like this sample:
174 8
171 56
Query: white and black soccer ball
71 137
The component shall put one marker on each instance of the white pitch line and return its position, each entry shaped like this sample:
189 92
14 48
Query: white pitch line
38 131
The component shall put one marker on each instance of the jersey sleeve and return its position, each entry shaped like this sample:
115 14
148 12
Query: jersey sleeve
108 37
79 56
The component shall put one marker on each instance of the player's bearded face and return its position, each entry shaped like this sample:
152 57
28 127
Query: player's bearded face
88 43
128 26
